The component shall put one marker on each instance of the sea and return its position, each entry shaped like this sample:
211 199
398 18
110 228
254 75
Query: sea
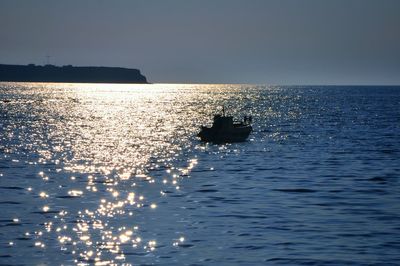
105 174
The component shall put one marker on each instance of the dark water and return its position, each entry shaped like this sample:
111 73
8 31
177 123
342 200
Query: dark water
114 174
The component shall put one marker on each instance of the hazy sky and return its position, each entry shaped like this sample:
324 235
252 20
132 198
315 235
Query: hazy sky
207 41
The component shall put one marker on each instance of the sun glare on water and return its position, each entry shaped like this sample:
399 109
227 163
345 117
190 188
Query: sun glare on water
111 156
105 138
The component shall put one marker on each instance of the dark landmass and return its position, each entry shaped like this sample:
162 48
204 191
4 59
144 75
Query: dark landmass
73 74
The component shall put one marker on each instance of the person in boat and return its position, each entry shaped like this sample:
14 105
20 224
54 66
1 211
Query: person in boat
247 120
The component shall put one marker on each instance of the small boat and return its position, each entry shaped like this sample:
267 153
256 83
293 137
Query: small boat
224 130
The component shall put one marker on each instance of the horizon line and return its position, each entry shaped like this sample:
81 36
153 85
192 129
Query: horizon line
194 82
218 83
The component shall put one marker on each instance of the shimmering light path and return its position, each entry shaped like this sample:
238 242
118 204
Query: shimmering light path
114 174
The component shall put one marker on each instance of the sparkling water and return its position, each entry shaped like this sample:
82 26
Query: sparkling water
115 175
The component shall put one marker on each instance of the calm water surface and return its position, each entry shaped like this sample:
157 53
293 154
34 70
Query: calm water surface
114 174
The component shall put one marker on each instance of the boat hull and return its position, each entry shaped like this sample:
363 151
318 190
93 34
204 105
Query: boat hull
236 134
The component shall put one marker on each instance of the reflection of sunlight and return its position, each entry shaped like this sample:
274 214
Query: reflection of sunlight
43 195
75 193
108 137
110 157
115 124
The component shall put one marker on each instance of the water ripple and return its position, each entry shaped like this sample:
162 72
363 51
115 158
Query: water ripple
114 174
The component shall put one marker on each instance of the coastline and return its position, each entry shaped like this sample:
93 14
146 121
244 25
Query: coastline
70 74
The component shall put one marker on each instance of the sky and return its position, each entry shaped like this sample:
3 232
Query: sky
288 42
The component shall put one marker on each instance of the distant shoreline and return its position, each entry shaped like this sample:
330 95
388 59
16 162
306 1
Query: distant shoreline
70 74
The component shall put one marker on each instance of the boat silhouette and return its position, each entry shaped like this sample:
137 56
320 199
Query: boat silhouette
225 130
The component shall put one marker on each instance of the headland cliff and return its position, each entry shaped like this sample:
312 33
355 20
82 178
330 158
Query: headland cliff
72 74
